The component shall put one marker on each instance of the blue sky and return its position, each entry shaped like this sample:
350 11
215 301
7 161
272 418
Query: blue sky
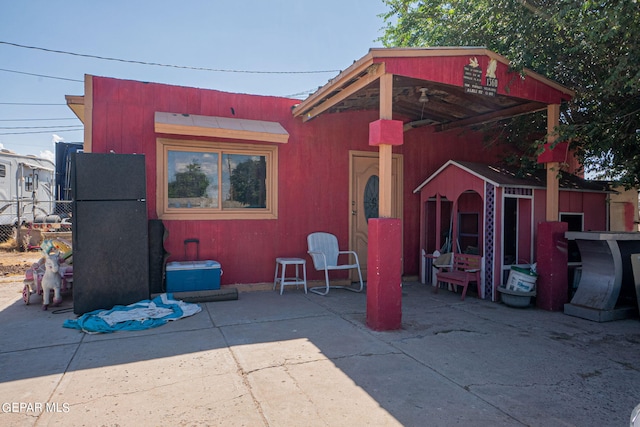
241 35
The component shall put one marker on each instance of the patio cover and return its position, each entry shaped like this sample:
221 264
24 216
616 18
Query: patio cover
448 78
441 87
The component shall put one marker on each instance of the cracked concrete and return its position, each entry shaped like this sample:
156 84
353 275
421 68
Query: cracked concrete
296 359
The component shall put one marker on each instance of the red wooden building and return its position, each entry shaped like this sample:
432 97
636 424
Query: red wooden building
354 150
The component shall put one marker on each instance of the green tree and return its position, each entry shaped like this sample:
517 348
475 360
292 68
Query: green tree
248 183
190 183
591 47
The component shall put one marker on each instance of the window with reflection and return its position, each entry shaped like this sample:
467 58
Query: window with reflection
203 180
192 179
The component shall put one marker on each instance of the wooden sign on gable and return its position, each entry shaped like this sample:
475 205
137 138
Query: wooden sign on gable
472 78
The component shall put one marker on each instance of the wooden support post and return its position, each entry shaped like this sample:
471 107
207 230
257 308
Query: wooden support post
384 252
386 153
551 244
553 191
385 182
386 96
553 168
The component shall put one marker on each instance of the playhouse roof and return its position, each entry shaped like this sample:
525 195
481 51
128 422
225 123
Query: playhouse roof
448 87
505 176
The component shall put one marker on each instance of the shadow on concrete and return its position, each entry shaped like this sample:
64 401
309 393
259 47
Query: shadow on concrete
452 362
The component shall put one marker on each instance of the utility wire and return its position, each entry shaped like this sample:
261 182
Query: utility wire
33 120
295 95
41 131
41 75
39 127
27 103
218 70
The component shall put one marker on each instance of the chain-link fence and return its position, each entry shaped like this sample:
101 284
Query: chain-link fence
37 222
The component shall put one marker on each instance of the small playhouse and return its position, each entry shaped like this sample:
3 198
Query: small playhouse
492 211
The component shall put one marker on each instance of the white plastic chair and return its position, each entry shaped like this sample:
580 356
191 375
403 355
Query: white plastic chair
324 251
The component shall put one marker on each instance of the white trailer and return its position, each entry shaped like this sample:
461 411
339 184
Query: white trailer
27 191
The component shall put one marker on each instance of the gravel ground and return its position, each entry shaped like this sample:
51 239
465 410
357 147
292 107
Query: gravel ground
14 263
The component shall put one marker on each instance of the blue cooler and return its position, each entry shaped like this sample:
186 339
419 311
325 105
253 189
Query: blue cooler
187 276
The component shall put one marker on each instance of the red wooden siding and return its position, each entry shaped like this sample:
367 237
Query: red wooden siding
449 70
313 171
525 233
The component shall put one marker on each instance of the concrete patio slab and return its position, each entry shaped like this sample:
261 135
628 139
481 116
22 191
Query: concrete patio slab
294 359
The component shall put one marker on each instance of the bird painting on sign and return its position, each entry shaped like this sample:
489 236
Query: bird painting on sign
472 77
491 81
491 68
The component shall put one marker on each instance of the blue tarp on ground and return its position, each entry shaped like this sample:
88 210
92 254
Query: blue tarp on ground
145 314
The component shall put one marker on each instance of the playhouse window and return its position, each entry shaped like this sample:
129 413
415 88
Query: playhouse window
575 222
205 180
469 232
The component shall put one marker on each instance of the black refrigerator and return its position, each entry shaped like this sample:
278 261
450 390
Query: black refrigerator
110 231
